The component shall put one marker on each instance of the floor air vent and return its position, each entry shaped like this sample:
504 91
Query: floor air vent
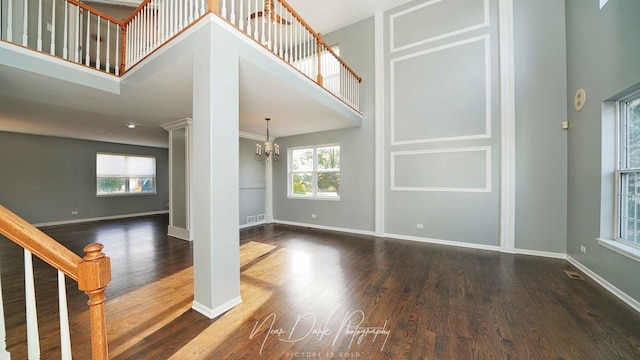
574 275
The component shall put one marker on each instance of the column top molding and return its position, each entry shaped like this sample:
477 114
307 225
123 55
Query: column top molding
178 124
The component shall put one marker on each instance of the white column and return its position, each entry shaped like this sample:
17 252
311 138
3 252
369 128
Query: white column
216 240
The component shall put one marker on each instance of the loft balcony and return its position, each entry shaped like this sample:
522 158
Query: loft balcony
73 60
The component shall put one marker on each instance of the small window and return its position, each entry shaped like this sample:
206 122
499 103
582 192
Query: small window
628 171
314 172
125 174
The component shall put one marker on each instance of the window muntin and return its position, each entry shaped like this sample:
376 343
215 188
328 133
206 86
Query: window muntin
628 171
118 174
314 172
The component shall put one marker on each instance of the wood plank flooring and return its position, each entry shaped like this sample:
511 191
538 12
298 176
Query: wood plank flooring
320 294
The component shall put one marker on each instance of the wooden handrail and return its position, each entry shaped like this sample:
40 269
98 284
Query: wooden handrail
93 272
318 38
135 12
94 11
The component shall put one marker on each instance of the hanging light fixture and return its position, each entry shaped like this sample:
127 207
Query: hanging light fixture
262 154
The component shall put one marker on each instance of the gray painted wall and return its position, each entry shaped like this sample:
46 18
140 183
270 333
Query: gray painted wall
252 183
356 207
44 178
603 57
541 143
442 121
179 178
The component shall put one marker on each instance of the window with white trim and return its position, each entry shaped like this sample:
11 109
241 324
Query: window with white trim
628 171
118 174
314 172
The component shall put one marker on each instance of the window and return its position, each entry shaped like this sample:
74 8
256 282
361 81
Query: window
628 171
314 172
125 174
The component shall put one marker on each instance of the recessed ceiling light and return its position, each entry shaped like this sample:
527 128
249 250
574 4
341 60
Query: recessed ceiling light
131 126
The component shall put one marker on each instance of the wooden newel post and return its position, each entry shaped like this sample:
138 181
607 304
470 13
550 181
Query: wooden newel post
94 274
213 6
319 78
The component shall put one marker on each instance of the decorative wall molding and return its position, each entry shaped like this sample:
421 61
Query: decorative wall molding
213 313
487 177
487 77
472 27
379 122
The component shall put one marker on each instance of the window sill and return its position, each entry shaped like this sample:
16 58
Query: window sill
313 198
126 194
621 248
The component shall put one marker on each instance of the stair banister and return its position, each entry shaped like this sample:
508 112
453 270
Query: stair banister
93 272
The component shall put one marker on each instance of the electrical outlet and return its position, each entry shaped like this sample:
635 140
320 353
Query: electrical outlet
583 249
313 216
260 217
251 219
74 212
419 226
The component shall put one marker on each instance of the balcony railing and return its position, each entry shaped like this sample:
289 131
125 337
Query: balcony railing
76 32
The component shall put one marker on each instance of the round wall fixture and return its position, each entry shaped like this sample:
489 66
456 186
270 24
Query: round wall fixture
580 99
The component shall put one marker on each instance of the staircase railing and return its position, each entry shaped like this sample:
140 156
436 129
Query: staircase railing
92 273
77 32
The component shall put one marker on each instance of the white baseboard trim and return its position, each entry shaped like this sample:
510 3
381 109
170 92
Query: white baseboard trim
444 242
112 217
635 304
180 233
213 313
546 254
323 227
244 226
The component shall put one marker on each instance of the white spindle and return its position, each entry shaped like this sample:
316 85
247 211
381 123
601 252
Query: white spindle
33 340
255 22
10 21
77 34
281 30
233 11
53 29
88 43
65 32
264 22
223 10
107 65
39 42
249 18
191 11
183 14
65 335
3 334
25 21
118 29
98 44
241 16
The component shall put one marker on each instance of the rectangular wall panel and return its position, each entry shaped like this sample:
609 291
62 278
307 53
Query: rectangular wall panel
435 20
447 170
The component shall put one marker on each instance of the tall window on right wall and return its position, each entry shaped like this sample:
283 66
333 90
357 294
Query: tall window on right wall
628 170
314 172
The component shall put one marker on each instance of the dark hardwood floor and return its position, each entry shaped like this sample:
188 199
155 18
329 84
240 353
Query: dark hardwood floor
319 294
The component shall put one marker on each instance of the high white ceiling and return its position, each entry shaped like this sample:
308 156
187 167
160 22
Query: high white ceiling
46 105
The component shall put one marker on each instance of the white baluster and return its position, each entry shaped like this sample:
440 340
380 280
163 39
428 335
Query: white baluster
10 21
98 44
270 24
118 44
25 21
255 21
249 18
4 354
223 10
192 9
233 11
53 29
174 16
86 50
241 16
65 32
39 42
281 28
65 335
77 34
107 65
264 22
33 339
180 14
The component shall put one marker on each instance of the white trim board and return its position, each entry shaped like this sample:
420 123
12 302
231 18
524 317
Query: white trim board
248 225
213 313
112 217
635 304
487 78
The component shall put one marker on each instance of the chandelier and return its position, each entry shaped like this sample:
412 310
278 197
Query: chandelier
262 154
